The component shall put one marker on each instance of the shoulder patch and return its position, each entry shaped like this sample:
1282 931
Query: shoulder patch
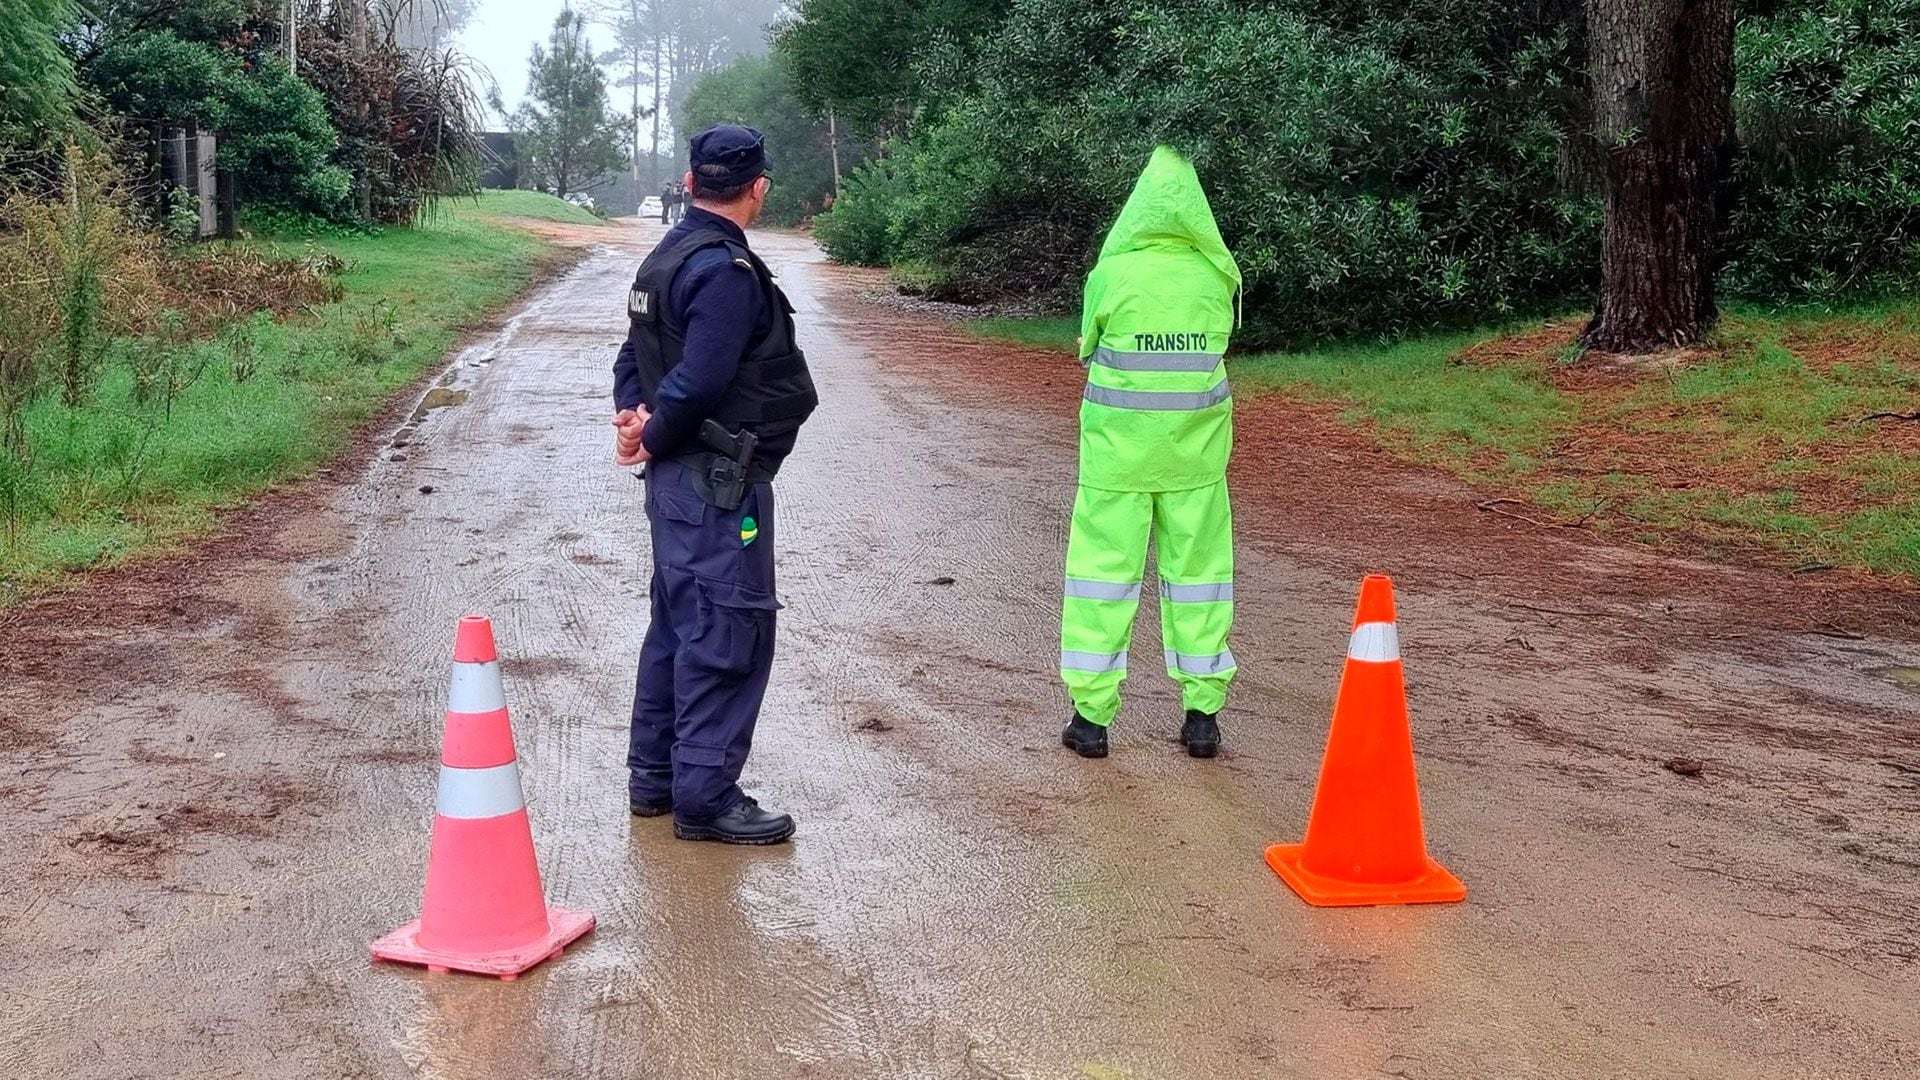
743 264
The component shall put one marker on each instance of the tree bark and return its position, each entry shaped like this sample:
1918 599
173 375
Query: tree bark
633 54
1663 102
833 143
659 33
361 42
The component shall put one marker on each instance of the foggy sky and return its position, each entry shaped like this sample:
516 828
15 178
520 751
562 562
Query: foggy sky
502 34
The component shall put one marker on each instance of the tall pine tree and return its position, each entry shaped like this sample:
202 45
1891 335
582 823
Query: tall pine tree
566 135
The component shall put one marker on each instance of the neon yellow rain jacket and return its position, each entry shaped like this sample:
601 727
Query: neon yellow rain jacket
1159 310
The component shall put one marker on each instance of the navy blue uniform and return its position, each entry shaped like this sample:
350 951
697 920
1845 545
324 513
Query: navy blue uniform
709 646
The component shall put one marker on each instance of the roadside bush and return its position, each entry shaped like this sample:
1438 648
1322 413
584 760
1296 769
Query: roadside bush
274 131
276 136
75 269
74 272
1828 106
408 121
1373 169
859 229
215 285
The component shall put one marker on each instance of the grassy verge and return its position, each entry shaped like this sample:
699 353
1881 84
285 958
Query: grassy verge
532 205
111 479
1757 444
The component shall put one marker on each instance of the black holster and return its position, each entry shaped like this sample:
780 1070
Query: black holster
724 475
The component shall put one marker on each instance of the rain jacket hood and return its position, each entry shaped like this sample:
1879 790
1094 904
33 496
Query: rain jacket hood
1169 210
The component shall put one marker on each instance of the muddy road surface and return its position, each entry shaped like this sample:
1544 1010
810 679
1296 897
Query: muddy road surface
217 772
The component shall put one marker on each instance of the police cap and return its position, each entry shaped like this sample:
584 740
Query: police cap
729 156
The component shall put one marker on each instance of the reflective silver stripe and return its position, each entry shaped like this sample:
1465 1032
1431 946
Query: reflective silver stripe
479 793
1088 589
1217 664
1374 642
1197 594
1092 661
476 688
1158 400
1200 363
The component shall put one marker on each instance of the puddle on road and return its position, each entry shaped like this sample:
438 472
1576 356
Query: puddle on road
1907 678
439 398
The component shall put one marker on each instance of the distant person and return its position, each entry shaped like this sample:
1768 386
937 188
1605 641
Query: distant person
711 390
667 202
1156 429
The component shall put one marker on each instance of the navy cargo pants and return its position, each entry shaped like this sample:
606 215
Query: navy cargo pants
709 646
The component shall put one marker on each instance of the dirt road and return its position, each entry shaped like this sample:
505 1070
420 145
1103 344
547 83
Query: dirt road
217 773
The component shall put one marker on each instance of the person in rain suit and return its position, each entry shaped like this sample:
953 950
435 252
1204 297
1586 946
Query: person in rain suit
1156 429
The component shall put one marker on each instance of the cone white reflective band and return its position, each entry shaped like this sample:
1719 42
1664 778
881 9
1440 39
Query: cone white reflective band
1217 664
1375 643
1087 589
1092 661
1158 400
476 689
479 793
1193 363
1198 594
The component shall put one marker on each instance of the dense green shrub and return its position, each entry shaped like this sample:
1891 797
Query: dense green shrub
1828 105
276 136
859 229
1403 168
274 129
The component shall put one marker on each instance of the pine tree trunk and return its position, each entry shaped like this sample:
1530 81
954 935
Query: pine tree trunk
1663 100
653 163
361 42
634 55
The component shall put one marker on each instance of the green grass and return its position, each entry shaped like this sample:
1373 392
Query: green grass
1042 333
1472 419
1757 440
112 480
532 205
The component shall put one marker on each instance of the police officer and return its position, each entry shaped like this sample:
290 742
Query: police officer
711 391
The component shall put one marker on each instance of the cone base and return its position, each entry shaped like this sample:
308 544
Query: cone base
1436 886
563 928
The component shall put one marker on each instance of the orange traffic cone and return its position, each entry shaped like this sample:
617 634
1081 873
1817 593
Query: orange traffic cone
484 911
1364 842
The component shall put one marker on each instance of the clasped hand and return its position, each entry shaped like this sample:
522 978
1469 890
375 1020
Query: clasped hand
627 426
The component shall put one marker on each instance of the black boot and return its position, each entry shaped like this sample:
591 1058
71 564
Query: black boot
1200 734
745 823
1085 738
650 807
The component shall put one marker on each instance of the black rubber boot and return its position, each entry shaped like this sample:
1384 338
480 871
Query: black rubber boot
1200 734
650 807
1085 738
745 823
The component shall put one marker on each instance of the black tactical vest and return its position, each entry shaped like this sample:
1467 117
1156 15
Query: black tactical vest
773 392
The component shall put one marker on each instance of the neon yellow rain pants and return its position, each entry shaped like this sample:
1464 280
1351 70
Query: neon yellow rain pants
1106 561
